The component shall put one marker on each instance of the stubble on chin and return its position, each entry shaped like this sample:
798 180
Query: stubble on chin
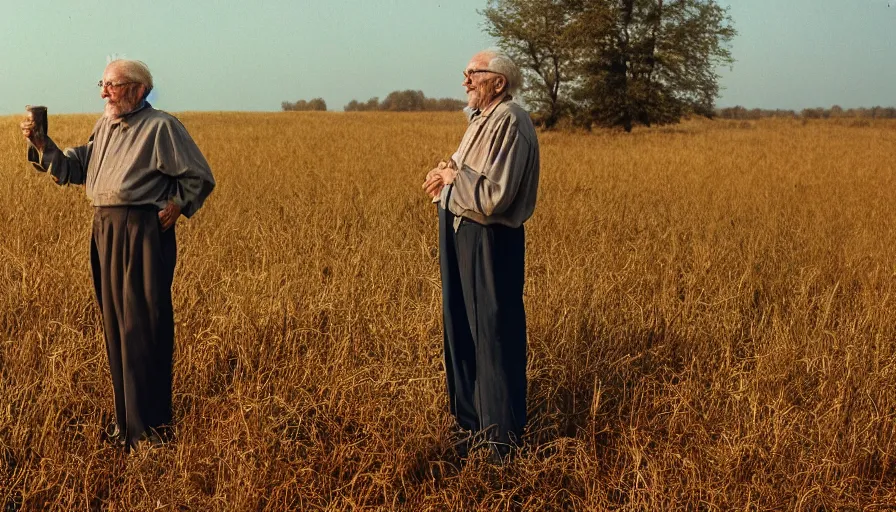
111 111
116 110
472 99
127 103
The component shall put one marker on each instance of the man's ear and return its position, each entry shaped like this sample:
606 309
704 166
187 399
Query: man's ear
502 84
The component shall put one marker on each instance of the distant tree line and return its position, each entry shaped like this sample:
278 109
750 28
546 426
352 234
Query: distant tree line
416 101
835 112
317 104
406 101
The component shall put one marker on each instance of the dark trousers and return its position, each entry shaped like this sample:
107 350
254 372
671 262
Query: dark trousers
482 271
132 261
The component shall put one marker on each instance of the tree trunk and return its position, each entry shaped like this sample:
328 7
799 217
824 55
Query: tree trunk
621 65
650 59
555 95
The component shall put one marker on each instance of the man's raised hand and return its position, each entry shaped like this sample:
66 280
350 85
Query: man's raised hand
31 134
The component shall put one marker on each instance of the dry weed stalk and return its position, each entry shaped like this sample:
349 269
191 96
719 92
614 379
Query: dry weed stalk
712 313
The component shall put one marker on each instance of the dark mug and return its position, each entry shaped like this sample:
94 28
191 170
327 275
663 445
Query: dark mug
38 115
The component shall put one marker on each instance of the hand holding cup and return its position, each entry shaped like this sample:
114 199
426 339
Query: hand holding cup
34 127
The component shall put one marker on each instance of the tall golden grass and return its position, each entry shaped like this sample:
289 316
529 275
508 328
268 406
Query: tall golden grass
711 311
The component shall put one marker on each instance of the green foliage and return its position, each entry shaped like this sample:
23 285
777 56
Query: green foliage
356 106
542 37
406 101
615 62
317 104
835 112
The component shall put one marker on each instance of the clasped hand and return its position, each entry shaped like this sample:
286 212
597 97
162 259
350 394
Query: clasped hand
437 178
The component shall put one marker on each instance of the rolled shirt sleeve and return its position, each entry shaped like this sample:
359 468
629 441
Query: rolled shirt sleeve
177 155
66 167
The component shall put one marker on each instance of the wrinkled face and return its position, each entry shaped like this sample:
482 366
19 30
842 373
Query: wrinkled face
121 94
482 86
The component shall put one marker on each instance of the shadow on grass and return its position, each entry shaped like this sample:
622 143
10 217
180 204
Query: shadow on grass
573 395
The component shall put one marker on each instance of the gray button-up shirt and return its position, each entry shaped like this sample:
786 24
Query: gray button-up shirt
144 157
498 167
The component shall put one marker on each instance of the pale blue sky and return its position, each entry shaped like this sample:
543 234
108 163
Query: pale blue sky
251 55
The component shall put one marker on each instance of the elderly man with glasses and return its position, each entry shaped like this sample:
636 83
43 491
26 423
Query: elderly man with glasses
142 171
485 192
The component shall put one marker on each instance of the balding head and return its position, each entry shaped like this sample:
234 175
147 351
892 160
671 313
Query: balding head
132 71
500 63
125 84
490 76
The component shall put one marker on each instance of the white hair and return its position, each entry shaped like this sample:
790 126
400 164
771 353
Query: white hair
135 71
501 63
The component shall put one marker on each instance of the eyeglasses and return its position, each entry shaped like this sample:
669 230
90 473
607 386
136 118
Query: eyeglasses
111 85
468 73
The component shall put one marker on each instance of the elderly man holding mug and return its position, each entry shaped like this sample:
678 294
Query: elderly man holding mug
485 192
142 171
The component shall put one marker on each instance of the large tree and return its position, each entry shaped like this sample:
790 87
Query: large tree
623 62
652 61
539 36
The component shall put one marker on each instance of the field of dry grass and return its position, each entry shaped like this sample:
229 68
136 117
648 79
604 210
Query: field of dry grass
712 325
